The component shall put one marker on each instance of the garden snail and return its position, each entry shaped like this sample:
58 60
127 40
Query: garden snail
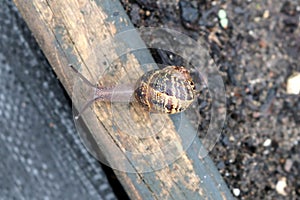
169 90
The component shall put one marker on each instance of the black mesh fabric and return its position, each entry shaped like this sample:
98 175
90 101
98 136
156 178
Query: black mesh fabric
41 154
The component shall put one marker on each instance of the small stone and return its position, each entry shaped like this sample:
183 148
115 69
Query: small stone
238 10
221 165
257 19
251 32
225 141
231 138
293 84
188 12
266 14
281 185
263 44
134 14
267 142
148 13
236 192
256 114
288 165
266 152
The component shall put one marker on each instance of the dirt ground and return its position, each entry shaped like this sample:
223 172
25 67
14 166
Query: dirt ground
256 49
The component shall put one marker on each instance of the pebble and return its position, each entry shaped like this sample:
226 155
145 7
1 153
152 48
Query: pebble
281 185
135 13
148 13
231 138
257 19
288 165
266 14
267 142
188 12
293 84
221 165
236 192
239 10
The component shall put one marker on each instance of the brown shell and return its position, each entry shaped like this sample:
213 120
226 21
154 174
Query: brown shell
169 90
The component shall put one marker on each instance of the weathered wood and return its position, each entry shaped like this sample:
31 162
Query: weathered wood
77 32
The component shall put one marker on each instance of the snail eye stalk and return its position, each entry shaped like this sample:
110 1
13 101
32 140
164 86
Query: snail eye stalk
83 78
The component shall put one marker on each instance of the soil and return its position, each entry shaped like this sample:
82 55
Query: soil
256 53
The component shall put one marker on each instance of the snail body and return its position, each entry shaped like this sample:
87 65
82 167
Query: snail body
169 90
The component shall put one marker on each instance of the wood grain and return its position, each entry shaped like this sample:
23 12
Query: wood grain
80 32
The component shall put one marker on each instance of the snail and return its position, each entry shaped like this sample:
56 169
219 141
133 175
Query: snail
169 90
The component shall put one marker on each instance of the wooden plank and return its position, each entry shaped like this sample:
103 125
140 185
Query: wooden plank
77 32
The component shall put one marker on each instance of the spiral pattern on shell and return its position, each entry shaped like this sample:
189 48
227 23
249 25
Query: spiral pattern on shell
169 90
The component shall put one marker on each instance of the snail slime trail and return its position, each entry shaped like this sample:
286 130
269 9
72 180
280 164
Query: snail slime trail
169 90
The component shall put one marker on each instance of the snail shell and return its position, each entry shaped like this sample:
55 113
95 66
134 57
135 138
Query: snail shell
169 90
